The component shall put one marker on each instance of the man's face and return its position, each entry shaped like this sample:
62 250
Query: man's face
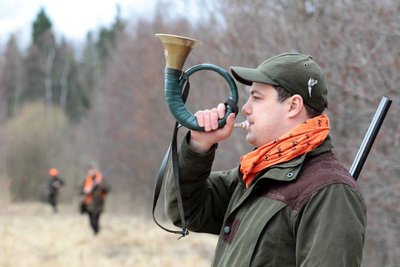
266 116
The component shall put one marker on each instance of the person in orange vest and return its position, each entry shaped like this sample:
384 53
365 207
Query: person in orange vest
94 190
53 187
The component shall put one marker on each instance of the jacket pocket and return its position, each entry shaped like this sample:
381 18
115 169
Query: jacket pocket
241 232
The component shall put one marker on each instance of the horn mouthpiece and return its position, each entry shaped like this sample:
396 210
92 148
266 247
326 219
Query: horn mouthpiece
243 125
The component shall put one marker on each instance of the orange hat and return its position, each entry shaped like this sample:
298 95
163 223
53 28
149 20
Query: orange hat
53 172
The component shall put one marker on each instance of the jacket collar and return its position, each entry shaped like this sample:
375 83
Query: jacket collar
288 171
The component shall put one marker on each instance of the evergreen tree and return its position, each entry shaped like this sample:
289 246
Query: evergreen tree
108 37
40 27
40 60
52 73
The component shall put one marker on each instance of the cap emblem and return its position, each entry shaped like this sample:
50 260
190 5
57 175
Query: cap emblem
311 83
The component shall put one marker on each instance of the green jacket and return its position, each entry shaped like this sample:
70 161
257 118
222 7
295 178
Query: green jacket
99 195
305 212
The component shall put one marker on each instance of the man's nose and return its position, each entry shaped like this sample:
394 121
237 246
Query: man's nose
246 108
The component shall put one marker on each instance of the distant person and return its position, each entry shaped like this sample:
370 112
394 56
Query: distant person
94 190
53 188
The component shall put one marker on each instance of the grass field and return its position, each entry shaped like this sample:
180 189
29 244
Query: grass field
31 235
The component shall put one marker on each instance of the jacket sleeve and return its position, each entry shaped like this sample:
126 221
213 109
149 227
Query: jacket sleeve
331 228
205 194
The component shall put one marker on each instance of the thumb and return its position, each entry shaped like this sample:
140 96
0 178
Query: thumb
230 119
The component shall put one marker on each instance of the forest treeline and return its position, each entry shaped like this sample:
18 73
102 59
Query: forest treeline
64 108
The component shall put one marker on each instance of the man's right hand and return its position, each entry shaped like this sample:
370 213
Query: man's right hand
201 142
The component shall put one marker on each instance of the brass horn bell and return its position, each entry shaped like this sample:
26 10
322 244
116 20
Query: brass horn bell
176 50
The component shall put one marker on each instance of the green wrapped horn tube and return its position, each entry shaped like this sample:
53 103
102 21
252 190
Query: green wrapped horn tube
174 83
176 50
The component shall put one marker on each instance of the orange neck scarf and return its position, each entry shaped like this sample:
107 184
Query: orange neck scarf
301 139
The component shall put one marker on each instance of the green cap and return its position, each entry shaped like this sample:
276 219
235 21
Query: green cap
296 73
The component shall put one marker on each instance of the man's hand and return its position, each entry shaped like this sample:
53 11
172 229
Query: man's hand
201 142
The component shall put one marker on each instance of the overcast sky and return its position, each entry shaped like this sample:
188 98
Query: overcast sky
70 18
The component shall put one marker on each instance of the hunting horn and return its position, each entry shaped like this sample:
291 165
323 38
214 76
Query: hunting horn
176 50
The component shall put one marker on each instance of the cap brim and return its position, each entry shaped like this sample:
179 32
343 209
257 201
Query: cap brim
247 76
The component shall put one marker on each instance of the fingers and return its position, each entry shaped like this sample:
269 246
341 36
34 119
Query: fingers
208 119
221 110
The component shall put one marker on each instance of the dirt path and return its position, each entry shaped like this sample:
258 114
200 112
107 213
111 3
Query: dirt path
32 236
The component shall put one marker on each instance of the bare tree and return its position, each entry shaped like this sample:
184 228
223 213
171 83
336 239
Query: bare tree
13 74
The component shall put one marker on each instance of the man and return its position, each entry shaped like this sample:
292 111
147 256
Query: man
94 190
290 202
53 186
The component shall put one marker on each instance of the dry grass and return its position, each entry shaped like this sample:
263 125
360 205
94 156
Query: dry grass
31 235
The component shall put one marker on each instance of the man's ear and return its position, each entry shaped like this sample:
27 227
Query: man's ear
295 105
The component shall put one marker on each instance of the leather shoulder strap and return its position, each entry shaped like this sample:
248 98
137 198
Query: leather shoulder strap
172 152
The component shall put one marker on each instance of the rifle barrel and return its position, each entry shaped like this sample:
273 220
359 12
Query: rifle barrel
369 137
